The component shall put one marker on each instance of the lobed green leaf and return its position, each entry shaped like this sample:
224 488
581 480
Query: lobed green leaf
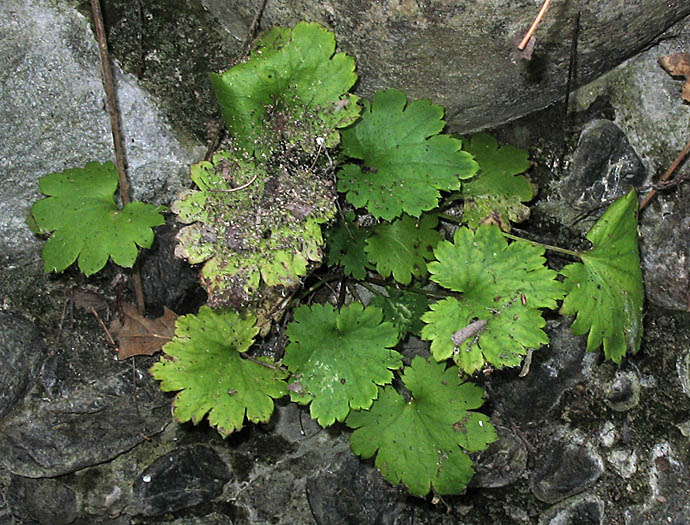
606 290
86 223
404 162
204 362
420 442
338 358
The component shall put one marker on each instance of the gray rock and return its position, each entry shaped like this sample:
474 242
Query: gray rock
85 409
623 393
460 55
355 493
555 369
667 501
567 466
21 353
52 117
581 510
502 463
604 167
181 479
42 500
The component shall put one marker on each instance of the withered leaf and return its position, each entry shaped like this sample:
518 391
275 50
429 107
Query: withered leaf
141 335
86 300
678 65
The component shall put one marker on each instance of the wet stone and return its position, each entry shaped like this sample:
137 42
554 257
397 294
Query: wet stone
623 393
568 467
21 352
604 167
355 493
181 479
502 463
584 510
42 501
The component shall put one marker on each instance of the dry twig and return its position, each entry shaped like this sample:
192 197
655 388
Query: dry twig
540 16
674 165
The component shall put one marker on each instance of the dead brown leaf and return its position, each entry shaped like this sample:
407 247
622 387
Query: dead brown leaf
141 335
678 65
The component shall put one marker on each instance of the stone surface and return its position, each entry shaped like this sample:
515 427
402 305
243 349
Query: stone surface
581 510
555 369
501 464
623 393
355 493
566 467
460 55
52 117
84 409
604 167
21 353
42 501
668 501
180 479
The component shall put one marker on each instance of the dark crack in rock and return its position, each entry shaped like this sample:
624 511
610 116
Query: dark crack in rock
502 463
567 466
21 353
46 501
181 479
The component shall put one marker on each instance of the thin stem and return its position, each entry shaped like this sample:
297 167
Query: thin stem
455 220
674 165
535 24
111 101
541 244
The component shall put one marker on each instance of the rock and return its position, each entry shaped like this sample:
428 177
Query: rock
42 501
53 117
554 370
461 55
181 479
646 104
623 393
502 463
21 353
604 167
83 410
355 493
566 467
624 462
667 500
581 510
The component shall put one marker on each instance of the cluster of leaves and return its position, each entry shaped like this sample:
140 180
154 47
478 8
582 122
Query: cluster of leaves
255 217
255 222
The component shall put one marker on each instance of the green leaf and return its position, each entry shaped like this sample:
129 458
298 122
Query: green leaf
292 86
503 284
420 443
496 188
405 163
346 242
605 290
204 362
403 247
86 223
338 358
403 309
